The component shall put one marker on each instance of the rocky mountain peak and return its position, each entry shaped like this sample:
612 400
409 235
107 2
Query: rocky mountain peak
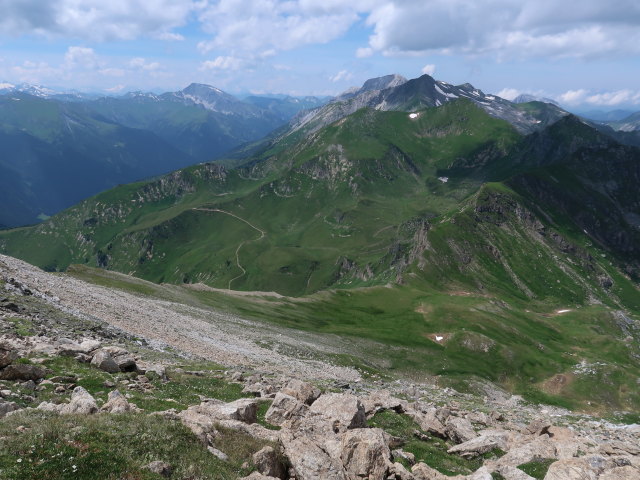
380 83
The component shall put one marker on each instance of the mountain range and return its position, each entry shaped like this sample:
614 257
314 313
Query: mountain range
493 239
58 149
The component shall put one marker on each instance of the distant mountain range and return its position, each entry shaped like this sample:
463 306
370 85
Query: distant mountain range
57 149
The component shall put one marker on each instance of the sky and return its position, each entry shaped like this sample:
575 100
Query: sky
584 54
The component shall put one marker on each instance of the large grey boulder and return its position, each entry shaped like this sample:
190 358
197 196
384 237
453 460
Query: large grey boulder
268 463
627 472
460 430
571 469
309 459
124 360
21 371
489 440
117 403
7 407
383 400
365 454
302 391
429 422
82 402
104 361
342 409
285 409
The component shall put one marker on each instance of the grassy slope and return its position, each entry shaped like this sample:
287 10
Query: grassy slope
360 204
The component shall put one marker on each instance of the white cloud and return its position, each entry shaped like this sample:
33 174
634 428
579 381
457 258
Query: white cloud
140 63
97 20
223 63
572 97
342 75
612 99
429 69
508 93
115 89
364 52
169 36
506 28
83 57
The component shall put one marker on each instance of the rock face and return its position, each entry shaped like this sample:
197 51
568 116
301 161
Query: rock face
285 408
345 411
302 391
7 355
365 454
268 463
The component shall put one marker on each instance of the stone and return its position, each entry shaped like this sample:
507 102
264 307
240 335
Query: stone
7 355
342 409
258 476
268 463
21 371
122 358
481 474
482 444
365 454
160 468
104 361
382 400
513 473
460 430
571 469
309 460
6 407
302 391
621 473
400 473
244 410
422 471
540 447
285 409
538 426
218 453
117 403
82 403
429 422
407 456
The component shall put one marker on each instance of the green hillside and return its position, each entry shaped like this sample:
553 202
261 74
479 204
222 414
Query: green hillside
483 252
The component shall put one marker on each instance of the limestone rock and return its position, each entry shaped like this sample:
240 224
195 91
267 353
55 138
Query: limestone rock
7 355
21 371
218 453
513 473
302 391
124 360
382 400
365 454
268 463
538 426
309 460
344 410
482 444
571 469
429 422
258 476
82 402
460 430
621 473
285 408
400 473
104 361
481 474
422 471
117 403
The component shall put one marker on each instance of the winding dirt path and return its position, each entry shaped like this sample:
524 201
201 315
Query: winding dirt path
262 235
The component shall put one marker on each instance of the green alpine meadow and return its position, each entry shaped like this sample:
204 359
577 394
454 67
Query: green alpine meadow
468 238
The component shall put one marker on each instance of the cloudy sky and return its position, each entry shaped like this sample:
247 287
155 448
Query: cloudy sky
584 53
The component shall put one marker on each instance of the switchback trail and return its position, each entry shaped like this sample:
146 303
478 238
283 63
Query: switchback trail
262 235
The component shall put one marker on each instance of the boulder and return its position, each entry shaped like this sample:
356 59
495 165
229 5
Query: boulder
104 361
513 473
268 463
540 447
6 407
244 410
117 403
302 391
482 444
538 426
382 400
571 469
400 473
309 460
365 454
124 360
7 355
481 474
429 422
21 371
285 409
460 430
342 409
72 349
422 471
621 473
258 476
82 402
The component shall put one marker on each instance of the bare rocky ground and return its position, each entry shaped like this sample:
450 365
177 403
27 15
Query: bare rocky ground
323 421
